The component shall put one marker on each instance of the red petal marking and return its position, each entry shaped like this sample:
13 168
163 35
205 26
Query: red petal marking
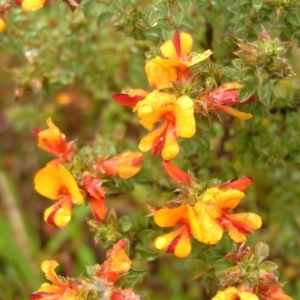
175 172
19 2
226 97
126 100
241 226
137 161
240 184
176 43
50 219
160 141
173 244
41 295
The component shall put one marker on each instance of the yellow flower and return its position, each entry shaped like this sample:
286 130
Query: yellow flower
56 183
177 116
177 58
178 240
212 209
59 290
126 165
51 139
232 293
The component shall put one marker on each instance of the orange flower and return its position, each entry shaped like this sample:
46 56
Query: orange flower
161 72
127 294
225 94
212 213
126 165
31 5
177 241
96 197
56 183
130 97
52 140
60 289
117 264
177 116
273 292
232 293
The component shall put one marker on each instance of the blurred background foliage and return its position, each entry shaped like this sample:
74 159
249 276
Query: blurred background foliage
66 65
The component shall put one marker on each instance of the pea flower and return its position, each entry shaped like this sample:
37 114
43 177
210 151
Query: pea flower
117 264
53 141
274 292
59 289
178 240
126 165
212 213
177 116
175 63
56 183
31 5
96 195
232 293
127 294
217 100
175 172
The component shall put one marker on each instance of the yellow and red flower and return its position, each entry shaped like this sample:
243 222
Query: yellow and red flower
53 141
31 5
217 100
274 292
212 213
175 63
56 183
175 172
232 293
117 264
126 165
60 289
130 97
177 241
96 196
177 116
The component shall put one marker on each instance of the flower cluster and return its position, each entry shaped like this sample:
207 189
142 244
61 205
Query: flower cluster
56 182
172 108
207 218
101 283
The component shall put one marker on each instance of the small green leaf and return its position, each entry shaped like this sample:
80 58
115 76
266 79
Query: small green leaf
155 16
247 91
185 5
104 18
257 4
239 64
156 2
189 22
293 18
178 16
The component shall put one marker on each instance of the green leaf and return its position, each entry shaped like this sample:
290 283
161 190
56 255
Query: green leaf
156 2
132 277
257 4
265 94
155 16
247 91
239 64
178 16
189 22
185 5
293 18
167 34
104 18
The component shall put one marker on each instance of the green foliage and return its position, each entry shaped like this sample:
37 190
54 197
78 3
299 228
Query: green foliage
100 49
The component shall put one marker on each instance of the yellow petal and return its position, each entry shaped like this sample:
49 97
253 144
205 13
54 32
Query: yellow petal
2 25
185 120
210 231
232 293
54 181
160 76
234 112
199 57
168 50
184 247
186 44
223 199
48 267
193 222
171 148
32 5
169 217
120 262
